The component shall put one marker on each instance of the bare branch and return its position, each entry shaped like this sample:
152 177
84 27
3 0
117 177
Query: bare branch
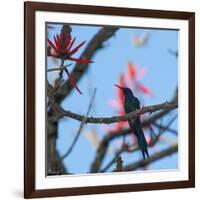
163 127
58 68
101 151
172 149
134 147
109 120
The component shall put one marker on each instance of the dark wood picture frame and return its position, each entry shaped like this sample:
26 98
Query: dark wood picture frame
29 115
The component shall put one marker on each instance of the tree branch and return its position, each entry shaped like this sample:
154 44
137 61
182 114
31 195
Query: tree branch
172 149
58 68
59 93
175 132
109 120
134 147
102 149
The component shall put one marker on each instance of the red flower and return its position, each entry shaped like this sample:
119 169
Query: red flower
131 71
120 95
71 80
62 47
132 78
144 89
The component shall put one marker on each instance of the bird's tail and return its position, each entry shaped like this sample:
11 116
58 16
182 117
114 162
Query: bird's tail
142 143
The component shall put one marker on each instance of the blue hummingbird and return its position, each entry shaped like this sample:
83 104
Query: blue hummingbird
131 103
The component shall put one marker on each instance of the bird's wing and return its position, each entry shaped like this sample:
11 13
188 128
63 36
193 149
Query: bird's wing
137 103
135 126
132 105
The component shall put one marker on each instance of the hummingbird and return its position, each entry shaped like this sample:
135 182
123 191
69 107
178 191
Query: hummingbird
131 103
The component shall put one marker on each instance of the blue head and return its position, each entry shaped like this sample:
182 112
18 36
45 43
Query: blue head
127 91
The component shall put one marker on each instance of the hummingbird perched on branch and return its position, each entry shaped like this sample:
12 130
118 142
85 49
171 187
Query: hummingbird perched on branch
131 103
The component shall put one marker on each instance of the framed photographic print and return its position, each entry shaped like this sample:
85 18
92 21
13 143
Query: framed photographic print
109 100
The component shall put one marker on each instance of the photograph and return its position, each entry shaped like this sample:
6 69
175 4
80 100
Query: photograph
111 99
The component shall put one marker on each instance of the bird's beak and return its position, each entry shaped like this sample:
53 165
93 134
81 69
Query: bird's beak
119 86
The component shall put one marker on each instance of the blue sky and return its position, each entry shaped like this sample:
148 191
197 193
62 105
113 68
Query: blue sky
161 77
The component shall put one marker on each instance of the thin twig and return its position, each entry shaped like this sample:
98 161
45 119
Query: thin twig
80 128
163 127
62 69
58 68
